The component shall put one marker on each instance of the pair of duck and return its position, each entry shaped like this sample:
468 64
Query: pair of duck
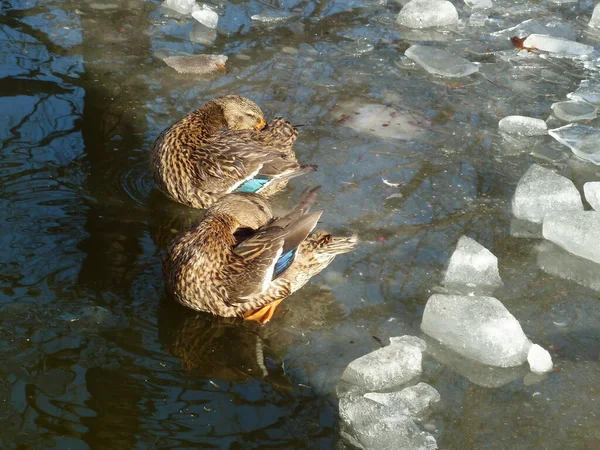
240 260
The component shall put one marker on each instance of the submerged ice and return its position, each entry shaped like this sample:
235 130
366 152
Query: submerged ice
440 62
575 231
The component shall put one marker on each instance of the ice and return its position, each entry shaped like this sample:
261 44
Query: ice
472 265
416 399
591 190
539 359
272 16
558 262
378 120
532 26
203 35
370 425
541 191
427 14
440 62
479 4
199 64
588 90
581 139
575 231
180 6
385 368
480 328
410 340
478 19
573 110
206 16
557 45
525 229
595 20
523 125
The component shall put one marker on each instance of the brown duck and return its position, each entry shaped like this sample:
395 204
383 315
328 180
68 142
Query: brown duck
225 146
240 261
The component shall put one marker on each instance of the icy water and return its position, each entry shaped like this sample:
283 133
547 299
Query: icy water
93 356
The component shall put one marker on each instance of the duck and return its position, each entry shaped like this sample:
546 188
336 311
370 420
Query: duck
241 261
225 146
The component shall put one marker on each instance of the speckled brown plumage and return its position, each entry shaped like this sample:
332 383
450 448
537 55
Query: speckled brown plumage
225 264
212 151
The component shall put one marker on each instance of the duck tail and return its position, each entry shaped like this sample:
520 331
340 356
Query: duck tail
328 244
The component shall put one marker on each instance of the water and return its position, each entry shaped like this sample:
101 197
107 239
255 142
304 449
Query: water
92 354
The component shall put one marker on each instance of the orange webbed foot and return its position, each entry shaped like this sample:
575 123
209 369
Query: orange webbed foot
264 314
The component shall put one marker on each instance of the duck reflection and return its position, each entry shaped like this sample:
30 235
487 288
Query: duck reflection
226 349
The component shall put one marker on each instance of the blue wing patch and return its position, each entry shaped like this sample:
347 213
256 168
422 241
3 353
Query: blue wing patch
252 185
284 262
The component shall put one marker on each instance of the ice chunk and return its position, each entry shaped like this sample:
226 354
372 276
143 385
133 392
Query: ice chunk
203 35
385 368
558 262
471 265
591 190
206 16
409 340
378 120
440 62
272 16
416 399
480 328
180 6
370 425
595 20
539 359
588 90
540 191
575 231
199 64
479 4
532 26
557 45
573 110
581 139
427 14
523 125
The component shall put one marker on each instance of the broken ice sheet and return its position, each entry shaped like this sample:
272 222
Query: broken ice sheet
581 139
480 328
201 34
385 368
557 45
532 26
522 125
595 20
479 4
180 6
575 231
427 14
206 16
541 191
273 16
591 190
472 266
440 62
199 64
572 110
588 90
417 399
378 120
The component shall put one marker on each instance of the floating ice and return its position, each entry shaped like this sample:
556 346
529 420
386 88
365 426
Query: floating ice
575 231
440 62
385 368
540 191
206 16
581 139
480 328
532 26
180 6
272 16
522 125
588 90
378 120
427 14
415 399
573 110
199 64
591 190
471 265
203 35
409 340
595 20
478 19
539 359
479 4
525 229
371 425
558 262
557 45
